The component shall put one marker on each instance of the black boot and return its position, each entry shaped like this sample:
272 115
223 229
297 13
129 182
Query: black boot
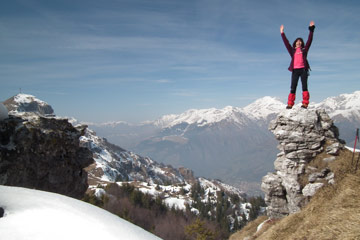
304 106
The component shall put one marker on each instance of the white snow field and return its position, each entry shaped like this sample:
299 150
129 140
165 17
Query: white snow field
38 215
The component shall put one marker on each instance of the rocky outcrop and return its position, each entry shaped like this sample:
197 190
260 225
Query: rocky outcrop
302 135
43 153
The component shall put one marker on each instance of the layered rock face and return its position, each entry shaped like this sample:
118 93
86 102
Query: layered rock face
43 153
302 135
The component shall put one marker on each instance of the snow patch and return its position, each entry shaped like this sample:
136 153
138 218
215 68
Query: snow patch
352 149
177 203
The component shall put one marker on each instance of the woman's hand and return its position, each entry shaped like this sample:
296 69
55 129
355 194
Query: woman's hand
312 23
281 28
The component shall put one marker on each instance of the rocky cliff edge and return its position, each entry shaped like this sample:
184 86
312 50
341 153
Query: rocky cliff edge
304 135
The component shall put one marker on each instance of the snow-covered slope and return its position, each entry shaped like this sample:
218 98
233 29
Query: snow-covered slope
38 215
112 163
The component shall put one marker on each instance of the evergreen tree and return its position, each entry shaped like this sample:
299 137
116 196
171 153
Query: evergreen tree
198 231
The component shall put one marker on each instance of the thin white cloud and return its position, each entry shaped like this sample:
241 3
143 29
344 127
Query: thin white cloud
163 81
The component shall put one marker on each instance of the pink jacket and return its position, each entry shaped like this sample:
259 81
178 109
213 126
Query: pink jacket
305 50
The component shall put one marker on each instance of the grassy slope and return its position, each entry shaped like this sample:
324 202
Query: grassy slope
333 213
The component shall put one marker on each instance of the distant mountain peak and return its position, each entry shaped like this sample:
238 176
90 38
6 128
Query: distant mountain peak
263 107
27 103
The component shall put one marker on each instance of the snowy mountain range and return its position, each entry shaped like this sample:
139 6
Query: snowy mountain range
226 141
261 109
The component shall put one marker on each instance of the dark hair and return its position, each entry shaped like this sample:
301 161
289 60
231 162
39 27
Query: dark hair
302 42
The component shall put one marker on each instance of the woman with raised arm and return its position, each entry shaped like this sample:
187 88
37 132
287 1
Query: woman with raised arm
299 65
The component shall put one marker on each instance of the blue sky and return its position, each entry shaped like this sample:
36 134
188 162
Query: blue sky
136 60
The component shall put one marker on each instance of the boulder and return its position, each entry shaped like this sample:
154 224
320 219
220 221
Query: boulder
311 188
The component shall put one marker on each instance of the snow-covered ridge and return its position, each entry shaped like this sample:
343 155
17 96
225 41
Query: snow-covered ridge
346 105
